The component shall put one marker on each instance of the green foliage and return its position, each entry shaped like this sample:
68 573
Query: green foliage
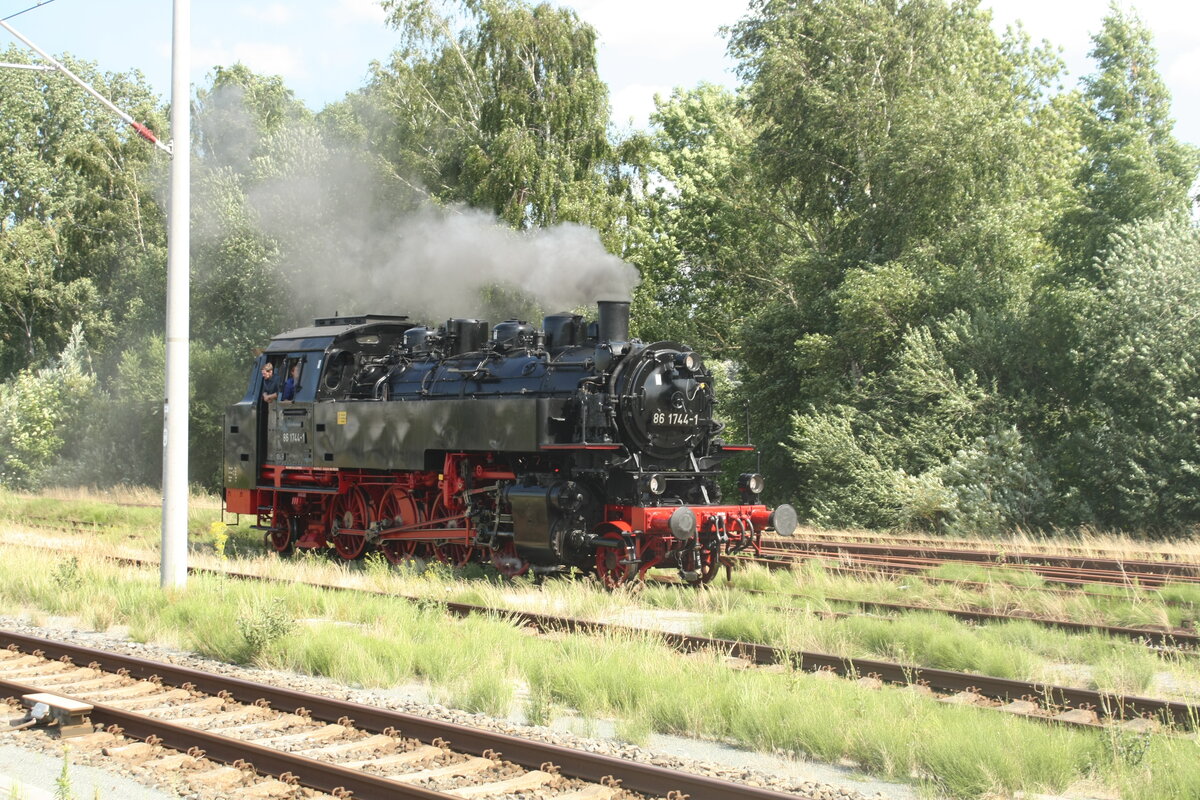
80 228
262 624
497 104
66 574
1128 441
62 783
38 410
1133 168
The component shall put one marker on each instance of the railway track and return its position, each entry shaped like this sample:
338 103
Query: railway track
840 563
1066 570
1056 548
279 739
1046 702
1175 640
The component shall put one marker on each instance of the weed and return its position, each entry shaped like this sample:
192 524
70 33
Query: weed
635 729
263 624
483 692
66 574
539 706
1130 747
62 784
220 536
376 564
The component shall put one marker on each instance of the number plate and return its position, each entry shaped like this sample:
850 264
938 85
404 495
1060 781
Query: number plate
674 419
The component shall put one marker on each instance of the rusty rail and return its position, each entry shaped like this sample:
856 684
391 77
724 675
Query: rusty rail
643 778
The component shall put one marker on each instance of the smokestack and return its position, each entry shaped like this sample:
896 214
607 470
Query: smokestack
614 320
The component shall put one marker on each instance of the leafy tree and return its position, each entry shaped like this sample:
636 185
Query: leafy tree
915 161
38 408
712 258
1130 451
1134 167
497 104
80 229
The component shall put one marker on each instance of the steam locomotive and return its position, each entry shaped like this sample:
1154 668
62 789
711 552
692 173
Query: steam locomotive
566 447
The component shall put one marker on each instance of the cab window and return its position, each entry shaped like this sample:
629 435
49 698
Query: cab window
305 367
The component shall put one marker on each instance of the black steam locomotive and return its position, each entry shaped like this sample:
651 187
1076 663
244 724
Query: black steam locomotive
572 446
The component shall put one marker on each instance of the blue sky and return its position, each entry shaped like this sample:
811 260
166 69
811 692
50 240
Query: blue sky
323 49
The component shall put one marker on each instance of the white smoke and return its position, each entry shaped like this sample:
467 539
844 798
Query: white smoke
345 250
440 262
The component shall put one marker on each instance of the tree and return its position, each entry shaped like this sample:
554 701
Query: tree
916 161
711 259
497 104
81 233
37 409
1130 450
1134 167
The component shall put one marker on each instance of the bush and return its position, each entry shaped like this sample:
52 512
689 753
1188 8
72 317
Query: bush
38 411
261 624
996 485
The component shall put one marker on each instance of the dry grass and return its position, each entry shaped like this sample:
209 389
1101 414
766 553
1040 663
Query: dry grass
1084 542
137 496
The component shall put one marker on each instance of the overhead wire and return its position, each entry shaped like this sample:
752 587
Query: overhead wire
31 8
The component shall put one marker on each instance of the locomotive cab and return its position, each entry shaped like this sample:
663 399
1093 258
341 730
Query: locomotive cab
260 434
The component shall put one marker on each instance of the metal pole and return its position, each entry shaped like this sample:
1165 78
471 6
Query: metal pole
175 406
141 129
33 67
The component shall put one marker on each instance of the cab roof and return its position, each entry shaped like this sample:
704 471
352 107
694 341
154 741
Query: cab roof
324 331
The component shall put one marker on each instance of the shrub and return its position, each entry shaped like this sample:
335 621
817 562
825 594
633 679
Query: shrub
38 408
263 623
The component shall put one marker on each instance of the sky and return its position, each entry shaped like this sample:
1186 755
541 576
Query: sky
324 49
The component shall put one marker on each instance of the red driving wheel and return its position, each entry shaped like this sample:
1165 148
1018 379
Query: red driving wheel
351 510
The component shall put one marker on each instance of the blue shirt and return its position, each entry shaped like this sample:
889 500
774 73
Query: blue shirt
289 388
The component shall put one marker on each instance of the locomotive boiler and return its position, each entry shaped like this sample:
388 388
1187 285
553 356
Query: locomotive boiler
569 447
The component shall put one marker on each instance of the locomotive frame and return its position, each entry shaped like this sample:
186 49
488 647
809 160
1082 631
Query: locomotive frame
566 447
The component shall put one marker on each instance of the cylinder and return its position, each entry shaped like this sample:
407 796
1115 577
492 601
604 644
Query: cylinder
562 330
614 320
468 335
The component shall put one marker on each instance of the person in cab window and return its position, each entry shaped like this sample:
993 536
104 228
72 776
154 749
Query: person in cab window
271 383
292 382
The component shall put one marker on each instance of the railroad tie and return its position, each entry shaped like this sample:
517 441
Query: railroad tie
136 690
267 725
470 766
135 753
201 706
1024 707
377 742
150 701
535 779
266 790
175 762
211 722
220 778
593 792
410 758
323 734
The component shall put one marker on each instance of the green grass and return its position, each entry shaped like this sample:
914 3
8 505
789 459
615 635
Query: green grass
476 663
108 520
812 585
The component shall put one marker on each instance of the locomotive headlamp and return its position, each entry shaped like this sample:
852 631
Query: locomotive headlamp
653 484
689 361
751 482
